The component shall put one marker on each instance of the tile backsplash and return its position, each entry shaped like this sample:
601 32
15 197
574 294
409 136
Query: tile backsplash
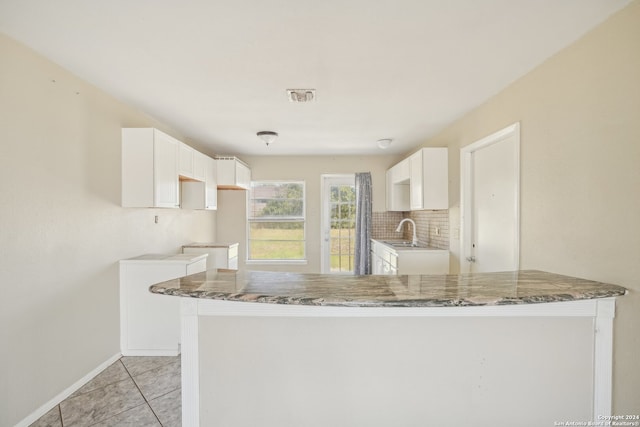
432 226
383 225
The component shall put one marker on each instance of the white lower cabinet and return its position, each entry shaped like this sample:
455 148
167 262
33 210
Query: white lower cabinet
388 260
376 263
221 255
150 323
384 261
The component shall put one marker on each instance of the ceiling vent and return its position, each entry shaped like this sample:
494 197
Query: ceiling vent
301 95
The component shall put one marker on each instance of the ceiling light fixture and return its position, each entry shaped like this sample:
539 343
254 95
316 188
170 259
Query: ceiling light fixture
301 95
384 143
267 136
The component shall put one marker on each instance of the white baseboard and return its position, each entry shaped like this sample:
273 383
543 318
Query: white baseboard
126 352
35 415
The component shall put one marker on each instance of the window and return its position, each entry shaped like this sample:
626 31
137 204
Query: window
276 221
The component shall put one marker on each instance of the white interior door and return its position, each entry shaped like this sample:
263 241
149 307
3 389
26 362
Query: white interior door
490 194
338 223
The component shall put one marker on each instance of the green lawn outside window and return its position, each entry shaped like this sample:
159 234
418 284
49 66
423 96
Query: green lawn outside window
276 221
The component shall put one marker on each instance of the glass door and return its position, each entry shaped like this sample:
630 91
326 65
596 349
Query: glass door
338 223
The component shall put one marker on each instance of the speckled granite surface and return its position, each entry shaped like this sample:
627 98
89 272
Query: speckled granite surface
520 287
210 245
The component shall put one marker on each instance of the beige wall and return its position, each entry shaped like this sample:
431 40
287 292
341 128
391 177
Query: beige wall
580 172
62 229
232 207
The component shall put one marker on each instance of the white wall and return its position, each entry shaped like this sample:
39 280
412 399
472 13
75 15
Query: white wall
231 224
381 372
580 172
62 229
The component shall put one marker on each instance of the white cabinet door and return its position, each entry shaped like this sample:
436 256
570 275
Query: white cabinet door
233 174
226 172
382 260
376 263
166 177
435 178
202 194
243 175
186 160
222 257
415 168
401 172
150 323
200 166
149 169
429 183
389 191
398 187
211 184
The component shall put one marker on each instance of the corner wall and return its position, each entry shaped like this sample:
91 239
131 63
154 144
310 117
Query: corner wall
63 230
580 175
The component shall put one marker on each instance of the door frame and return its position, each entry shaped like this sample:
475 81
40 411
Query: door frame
325 256
466 193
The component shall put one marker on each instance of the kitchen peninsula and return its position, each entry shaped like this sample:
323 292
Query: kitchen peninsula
287 349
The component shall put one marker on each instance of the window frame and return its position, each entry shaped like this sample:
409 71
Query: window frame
251 220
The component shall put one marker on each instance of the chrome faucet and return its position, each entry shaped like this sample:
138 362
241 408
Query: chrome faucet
414 240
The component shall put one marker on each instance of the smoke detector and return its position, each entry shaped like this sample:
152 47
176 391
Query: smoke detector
301 95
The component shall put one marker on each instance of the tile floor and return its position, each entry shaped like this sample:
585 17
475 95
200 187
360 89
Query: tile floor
134 391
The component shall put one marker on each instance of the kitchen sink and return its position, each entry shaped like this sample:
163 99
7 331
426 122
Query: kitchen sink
402 244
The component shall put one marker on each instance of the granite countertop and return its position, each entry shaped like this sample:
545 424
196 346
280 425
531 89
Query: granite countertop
165 258
520 287
210 245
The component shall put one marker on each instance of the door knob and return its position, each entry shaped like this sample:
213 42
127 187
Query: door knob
471 259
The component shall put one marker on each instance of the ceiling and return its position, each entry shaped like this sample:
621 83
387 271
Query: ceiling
217 71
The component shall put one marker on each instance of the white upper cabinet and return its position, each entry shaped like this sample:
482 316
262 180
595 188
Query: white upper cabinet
186 161
202 194
149 169
191 163
398 187
158 171
401 172
200 162
233 174
211 181
419 182
429 182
